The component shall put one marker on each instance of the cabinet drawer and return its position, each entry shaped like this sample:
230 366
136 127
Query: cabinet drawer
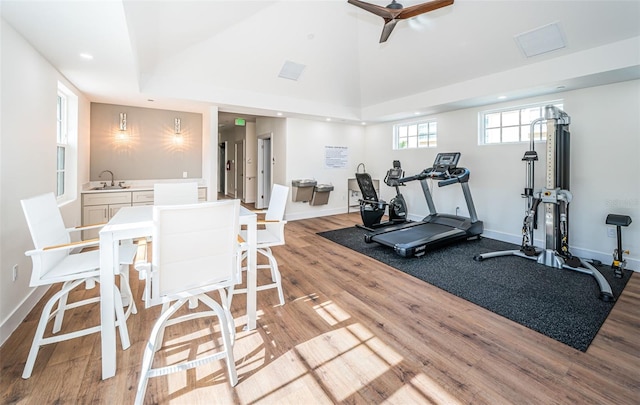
106 198
142 196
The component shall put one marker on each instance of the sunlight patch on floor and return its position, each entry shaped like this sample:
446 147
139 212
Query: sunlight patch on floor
422 389
331 313
289 378
347 359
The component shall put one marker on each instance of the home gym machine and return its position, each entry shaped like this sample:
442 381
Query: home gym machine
619 263
372 209
415 238
556 198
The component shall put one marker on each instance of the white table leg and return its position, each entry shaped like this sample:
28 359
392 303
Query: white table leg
252 279
108 258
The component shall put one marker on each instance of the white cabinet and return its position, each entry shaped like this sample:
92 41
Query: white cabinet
202 194
98 208
144 197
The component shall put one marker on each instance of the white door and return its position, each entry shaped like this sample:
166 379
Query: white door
239 160
222 158
264 171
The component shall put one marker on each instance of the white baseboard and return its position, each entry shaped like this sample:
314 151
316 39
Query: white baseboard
21 312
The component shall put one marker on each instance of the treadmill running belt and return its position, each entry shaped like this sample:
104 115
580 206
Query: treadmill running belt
418 234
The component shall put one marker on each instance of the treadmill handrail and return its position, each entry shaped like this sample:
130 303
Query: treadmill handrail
452 180
419 176
460 177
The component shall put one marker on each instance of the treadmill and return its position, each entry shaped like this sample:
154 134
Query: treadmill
414 239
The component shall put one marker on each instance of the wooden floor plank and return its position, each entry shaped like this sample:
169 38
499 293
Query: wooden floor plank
353 331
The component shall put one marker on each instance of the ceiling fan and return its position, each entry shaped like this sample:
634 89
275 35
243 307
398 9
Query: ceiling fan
394 12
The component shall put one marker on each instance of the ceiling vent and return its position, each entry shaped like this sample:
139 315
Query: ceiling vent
541 40
291 70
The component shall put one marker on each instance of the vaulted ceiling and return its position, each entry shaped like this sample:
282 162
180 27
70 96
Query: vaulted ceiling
192 54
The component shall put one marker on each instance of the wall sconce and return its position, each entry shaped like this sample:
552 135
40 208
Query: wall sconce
122 134
177 132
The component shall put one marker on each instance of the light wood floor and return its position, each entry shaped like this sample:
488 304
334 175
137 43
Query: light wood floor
352 331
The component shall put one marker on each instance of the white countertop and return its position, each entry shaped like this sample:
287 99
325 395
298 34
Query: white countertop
135 185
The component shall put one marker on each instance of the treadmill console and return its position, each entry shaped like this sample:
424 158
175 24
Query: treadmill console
393 174
446 162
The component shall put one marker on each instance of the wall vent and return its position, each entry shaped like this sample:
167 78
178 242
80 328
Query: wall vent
291 70
541 40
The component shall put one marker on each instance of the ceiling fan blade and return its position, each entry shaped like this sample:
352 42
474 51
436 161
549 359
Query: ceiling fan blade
377 10
389 25
418 9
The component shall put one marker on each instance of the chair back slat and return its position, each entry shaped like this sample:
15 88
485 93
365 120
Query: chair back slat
175 193
277 203
45 221
194 248
47 229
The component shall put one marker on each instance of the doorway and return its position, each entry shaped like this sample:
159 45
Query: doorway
264 170
238 173
222 158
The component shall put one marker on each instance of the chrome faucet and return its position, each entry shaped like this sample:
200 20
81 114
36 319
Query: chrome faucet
111 173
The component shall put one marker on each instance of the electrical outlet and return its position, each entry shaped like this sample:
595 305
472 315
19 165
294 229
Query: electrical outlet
611 232
14 272
184 175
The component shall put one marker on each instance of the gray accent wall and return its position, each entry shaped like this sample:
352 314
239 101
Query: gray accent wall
147 150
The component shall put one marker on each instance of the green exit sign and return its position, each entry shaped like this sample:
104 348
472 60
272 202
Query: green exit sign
240 122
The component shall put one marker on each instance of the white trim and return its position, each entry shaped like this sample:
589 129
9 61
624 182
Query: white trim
20 313
484 113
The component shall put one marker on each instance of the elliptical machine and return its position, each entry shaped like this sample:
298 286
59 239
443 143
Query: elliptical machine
373 209
556 198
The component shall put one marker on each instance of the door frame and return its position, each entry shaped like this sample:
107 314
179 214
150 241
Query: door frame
264 170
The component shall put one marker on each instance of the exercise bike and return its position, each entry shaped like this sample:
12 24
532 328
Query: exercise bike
372 209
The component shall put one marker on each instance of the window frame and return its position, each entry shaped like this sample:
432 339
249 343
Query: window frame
62 139
412 138
66 162
522 109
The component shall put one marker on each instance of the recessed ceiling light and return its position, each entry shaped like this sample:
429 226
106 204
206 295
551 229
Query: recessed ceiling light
363 123
502 97
328 119
417 113
279 114
86 56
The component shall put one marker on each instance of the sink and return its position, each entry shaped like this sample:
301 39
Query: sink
110 188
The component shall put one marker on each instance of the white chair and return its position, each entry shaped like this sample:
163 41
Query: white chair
271 234
195 250
54 262
175 193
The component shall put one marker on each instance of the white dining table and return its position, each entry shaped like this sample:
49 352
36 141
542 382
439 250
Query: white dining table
137 222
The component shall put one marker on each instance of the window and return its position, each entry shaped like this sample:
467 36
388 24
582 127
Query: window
415 135
61 161
513 124
66 177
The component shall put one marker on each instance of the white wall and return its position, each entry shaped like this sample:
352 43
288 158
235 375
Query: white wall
605 145
306 142
28 162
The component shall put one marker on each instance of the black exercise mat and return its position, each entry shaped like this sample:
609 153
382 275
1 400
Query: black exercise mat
561 304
